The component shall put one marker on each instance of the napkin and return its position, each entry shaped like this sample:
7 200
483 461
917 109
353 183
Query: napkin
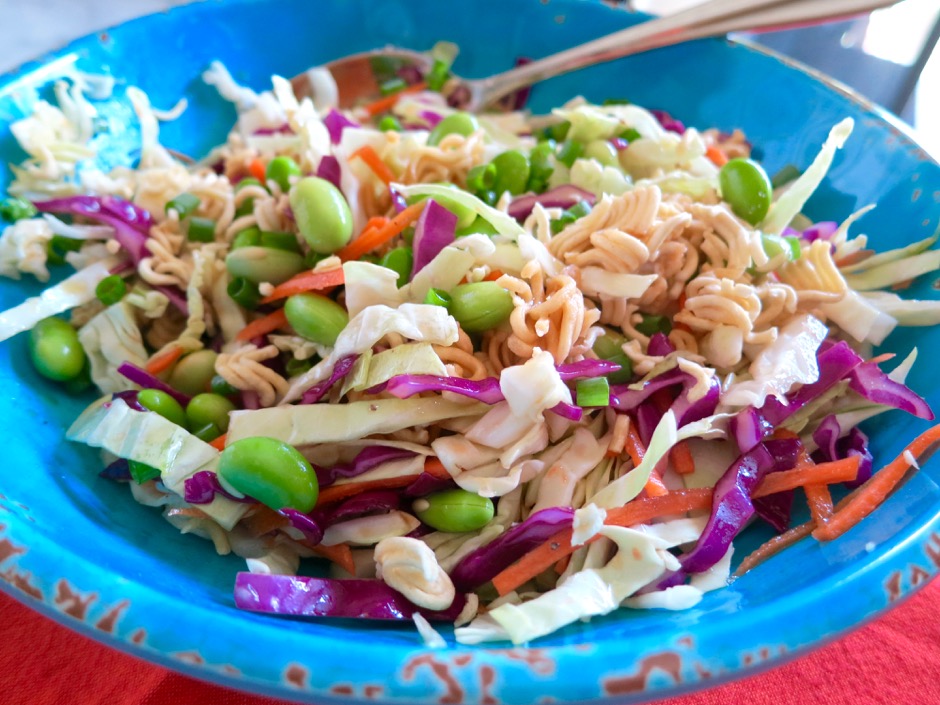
895 660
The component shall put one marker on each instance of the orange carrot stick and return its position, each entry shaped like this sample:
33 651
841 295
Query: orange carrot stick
218 443
386 103
264 520
334 493
884 357
820 503
493 276
375 163
433 466
716 155
844 470
558 546
165 360
263 326
369 240
306 281
876 490
340 554
682 460
774 546
258 170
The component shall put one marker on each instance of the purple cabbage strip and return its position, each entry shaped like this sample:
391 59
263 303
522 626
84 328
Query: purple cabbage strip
568 411
619 143
660 345
284 129
131 224
824 230
335 122
301 596
869 381
748 427
586 368
329 170
625 399
835 362
483 564
398 200
558 197
130 398
776 509
305 524
668 122
410 74
368 458
833 447
203 486
732 508
436 229
250 400
320 389
360 505
647 417
430 117
176 297
426 484
485 390
119 471
146 380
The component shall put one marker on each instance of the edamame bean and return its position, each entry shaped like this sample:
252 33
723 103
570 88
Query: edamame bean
280 170
746 187
459 123
454 510
650 325
193 373
249 237
264 264
478 226
207 408
271 471
603 151
163 404
512 172
610 347
208 432
400 260
14 209
218 385
55 350
322 214
480 306
316 317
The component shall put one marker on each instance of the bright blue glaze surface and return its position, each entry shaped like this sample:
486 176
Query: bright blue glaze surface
65 532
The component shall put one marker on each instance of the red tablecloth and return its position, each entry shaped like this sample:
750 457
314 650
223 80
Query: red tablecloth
895 660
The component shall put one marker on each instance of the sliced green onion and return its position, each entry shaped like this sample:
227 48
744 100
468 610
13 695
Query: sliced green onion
616 101
200 229
390 123
785 175
542 166
796 247
249 237
392 85
142 473
436 297
593 392
280 241
111 289
59 245
400 260
14 209
559 131
438 75
569 151
294 367
629 134
219 386
185 205
244 293
207 433
580 209
481 177
249 181
311 259
562 222
625 373
651 325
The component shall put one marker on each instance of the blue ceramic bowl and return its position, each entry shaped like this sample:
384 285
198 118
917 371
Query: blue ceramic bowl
79 549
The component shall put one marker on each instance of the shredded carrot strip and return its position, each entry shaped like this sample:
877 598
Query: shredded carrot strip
493 276
884 357
716 155
258 170
638 511
375 163
562 565
618 436
369 240
340 554
634 446
264 520
820 503
263 326
383 104
844 470
306 281
854 258
433 466
682 460
334 493
876 490
901 286
164 361
774 546
218 443
654 485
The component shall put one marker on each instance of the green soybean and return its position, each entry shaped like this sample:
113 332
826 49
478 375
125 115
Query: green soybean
218 385
200 229
14 209
436 297
322 214
454 511
264 264
389 123
193 373
480 306
746 187
162 403
569 151
208 432
459 123
603 151
478 226
55 350
610 347
316 317
481 177
400 260
650 325
280 170
111 289
185 205
271 471
204 409
512 172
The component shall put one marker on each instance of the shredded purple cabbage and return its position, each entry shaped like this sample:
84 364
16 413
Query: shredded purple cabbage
869 381
368 458
131 224
363 504
568 411
203 486
311 529
749 427
321 389
119 471
483 564
435 230
647 416
625 399
176 297
832 446
430 117
586 368
660 345
823 230
284 129
668 122
146 380
619 143
322 597
398 201
558 197
426 484
335 122
485 390
329 170
129 396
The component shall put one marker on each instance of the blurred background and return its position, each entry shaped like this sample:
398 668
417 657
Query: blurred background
889 57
